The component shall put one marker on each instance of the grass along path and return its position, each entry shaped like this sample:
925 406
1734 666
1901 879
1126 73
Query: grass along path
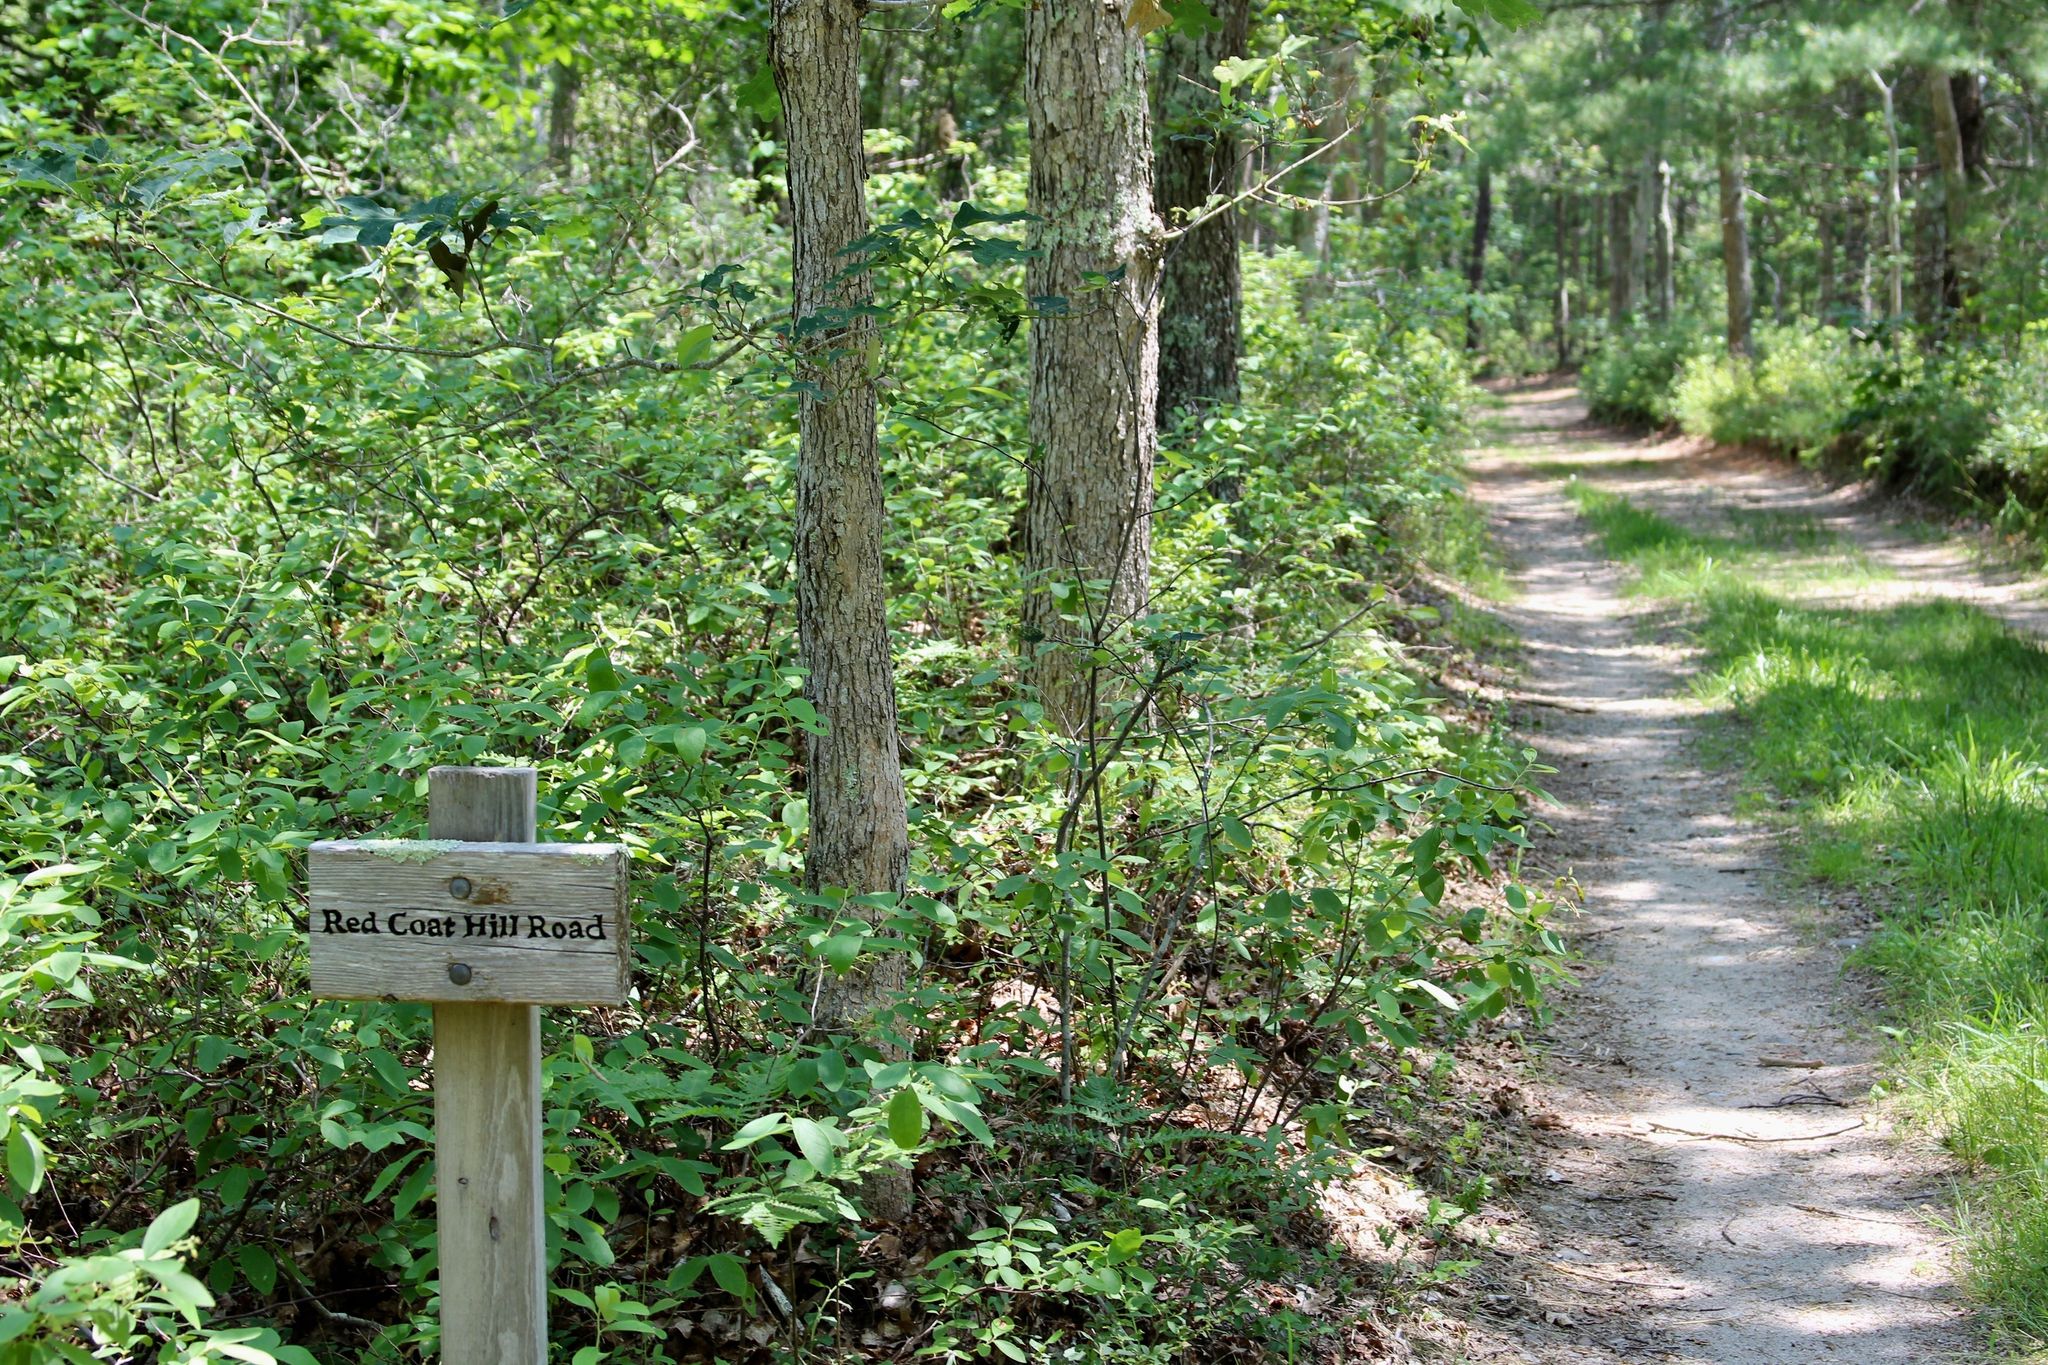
1705 1208
1905 739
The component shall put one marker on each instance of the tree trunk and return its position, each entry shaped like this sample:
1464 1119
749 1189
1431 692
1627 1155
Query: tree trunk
1642 237
1621 270
1895 266
1340 181
1201 292
1475 263
1667 246
1967 93
1824 229
566 84
1955 189
858 840
1561 306
1376 153
1735 244
1094 363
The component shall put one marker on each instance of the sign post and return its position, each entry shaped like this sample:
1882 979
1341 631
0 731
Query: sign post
487 924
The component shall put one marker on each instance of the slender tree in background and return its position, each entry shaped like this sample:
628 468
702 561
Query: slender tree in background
1475 260
1621 261
1665 252
858 840
1095 356
1642 246
1895 252
1201 292
1954 187
1340 179
1561 300
1735 241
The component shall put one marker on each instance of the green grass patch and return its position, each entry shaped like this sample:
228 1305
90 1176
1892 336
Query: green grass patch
1910 740
1454 540
1787 550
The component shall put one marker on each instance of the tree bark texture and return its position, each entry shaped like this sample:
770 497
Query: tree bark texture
1642 246
1202 291
1621 266
1735 244
1340 180
1895 267
858 838
1561 304
1376 154
565 87
1955 188
1475 262
1094 362
1667 245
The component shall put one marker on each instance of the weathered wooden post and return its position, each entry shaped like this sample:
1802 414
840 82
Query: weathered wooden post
486 924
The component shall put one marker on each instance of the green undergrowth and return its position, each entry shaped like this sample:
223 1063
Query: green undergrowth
1960 423
1151 1010
1908 741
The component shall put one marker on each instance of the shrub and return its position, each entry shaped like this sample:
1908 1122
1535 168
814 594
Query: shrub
1633 376
1790 399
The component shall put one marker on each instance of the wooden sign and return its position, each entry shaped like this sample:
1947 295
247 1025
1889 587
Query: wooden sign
461 923
486 924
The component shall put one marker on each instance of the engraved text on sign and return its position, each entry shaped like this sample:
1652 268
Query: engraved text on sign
541 924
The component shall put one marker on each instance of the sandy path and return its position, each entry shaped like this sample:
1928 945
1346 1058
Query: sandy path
1800 1233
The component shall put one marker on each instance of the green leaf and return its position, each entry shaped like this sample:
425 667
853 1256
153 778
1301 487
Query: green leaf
690 745
1513 13
259 1268
842 950
814 1140
765 1126
168 1226
24 1160
599 673
1192 16
970 214
760 96
180 1290
906 1119
730 1274
52 167
695 344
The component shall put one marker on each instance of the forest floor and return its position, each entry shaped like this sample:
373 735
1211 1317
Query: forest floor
1696 1199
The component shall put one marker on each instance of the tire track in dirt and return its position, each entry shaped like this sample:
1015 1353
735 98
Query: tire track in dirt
1693 1205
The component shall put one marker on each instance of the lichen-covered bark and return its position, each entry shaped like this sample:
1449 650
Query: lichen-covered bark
1094 366
1202 293
858 838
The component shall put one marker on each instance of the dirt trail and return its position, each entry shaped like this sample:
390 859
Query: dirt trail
1696 1206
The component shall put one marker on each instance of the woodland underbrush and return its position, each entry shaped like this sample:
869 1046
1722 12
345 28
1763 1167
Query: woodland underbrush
1904 744
1962 425
1166 981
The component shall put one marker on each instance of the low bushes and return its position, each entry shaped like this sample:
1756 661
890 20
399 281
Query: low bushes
1633 377
1967 425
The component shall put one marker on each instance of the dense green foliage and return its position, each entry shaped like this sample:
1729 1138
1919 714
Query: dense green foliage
390 387
1960 425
